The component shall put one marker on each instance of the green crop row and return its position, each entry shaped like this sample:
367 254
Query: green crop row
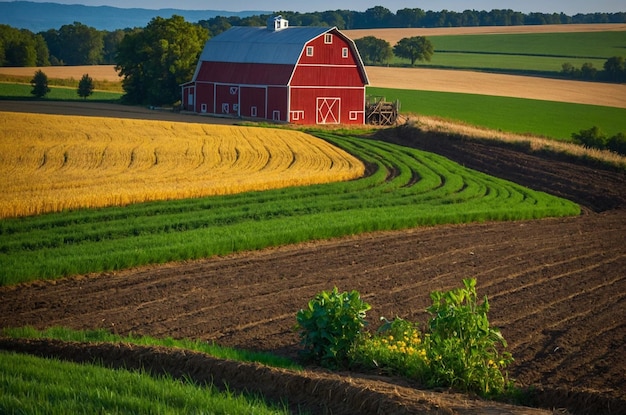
407 188
21 91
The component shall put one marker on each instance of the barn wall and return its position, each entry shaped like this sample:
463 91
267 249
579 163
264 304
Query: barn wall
204 96
277 103
327 105
253 102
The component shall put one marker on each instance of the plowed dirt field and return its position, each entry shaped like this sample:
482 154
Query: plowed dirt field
557 290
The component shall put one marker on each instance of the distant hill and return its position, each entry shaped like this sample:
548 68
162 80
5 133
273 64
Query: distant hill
38 17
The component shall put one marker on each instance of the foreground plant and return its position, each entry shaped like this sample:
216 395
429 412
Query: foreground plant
329 326
462 347
459 348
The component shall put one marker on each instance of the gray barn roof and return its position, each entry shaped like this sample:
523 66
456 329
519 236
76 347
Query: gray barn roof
244 44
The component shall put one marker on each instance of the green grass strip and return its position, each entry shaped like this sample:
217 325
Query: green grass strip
101 335
12 91
409 188
558 120
34 385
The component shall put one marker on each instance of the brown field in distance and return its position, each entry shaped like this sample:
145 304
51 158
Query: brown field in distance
394 35
99 72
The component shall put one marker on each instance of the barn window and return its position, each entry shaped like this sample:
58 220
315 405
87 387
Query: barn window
276 115
328 38
309 51
344 52
354 115
253 111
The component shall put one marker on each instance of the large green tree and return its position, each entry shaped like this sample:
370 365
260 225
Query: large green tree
414 48
373 50
22 48
156 60
75 44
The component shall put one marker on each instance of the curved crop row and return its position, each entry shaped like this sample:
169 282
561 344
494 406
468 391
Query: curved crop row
51 163
406 188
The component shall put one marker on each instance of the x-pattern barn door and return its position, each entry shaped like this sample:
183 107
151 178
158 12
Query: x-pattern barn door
328 110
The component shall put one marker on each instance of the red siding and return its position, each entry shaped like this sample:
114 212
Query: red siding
253 102
204 96
341 76
245 73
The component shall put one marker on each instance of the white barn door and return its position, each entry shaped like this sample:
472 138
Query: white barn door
328 110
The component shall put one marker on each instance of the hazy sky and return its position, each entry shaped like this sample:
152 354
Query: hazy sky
569 7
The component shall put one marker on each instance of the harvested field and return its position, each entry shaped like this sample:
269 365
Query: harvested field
556 289
99 72
394 35
482 83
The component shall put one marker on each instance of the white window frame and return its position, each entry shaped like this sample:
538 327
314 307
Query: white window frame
253 111
354 115
297 115
328 38
310 50
276 115
344 53
203 108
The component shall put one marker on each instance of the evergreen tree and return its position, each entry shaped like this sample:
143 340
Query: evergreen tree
85 86
40 84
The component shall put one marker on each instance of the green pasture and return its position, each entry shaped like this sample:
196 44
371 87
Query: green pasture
551 119
56 245
541 53
35 385
22 91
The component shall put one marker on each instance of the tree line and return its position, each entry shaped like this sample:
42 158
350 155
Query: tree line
78 44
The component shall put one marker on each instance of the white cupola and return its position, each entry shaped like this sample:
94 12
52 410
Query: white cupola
277 23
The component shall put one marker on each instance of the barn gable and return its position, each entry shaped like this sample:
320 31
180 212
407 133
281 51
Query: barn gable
272 66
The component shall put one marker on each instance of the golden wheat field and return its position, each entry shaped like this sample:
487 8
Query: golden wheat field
50 163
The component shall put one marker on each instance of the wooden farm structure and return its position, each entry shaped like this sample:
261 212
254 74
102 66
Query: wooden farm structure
378 111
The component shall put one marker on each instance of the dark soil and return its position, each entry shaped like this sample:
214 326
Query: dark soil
557 290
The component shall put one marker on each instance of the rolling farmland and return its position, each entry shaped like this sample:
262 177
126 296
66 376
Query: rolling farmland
556 289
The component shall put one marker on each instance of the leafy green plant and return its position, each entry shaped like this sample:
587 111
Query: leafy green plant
330 325
459 349
461 346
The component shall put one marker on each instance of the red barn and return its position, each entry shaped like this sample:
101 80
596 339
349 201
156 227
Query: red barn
302 75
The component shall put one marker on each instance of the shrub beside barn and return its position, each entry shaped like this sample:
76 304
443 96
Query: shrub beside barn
300 75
